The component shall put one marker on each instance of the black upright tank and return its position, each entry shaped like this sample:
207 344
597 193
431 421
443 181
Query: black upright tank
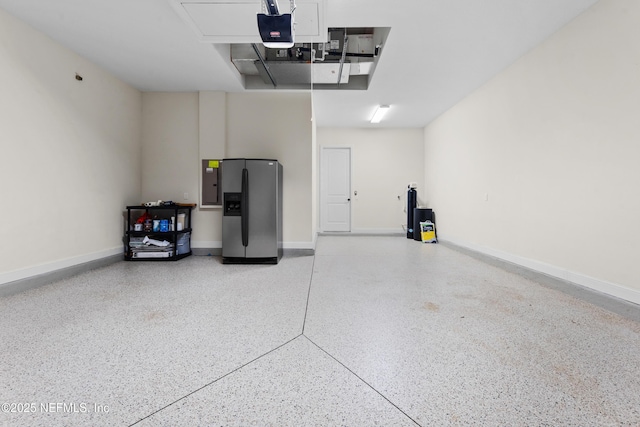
412 197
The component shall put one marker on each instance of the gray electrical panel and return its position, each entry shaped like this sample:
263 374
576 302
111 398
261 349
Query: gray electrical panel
211 182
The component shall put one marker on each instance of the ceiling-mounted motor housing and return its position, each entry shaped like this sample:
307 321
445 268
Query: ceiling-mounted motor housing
276 31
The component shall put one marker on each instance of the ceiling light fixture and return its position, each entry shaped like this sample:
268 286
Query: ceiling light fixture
379 114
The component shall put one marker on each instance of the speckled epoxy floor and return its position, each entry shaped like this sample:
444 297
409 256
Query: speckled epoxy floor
370 331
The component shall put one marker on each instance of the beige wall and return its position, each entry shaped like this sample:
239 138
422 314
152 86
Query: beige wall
383 162
182 128
540 166
278 125
70 155
170 147
212 145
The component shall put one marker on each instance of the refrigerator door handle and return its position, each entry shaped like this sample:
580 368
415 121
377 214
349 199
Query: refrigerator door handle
244 207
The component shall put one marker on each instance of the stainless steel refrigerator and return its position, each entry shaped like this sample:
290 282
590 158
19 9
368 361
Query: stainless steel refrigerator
252 217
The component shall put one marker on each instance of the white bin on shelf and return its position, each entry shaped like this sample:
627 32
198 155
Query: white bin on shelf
183 245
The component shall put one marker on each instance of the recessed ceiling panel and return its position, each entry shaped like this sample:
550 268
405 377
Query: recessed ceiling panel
224 19
228 21
345 63
329 73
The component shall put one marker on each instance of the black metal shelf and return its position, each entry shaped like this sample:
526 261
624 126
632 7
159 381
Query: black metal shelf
156 233
163 212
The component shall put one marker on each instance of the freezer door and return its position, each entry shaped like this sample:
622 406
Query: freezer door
263 213
231 198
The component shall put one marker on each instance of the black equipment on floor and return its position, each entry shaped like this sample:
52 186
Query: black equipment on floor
421 215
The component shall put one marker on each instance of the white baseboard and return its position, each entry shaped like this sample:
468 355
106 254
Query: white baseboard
603 286
299 245
202 244
370 231
50 267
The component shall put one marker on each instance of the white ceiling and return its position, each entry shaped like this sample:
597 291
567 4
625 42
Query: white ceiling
438 51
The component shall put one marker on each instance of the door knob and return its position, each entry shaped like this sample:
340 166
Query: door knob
348 200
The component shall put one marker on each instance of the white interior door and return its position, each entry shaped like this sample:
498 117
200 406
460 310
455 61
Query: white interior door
335 189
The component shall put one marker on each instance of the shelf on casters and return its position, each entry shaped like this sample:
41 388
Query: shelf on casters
174 236
171 258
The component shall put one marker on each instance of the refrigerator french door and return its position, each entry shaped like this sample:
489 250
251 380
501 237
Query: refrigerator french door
252 217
